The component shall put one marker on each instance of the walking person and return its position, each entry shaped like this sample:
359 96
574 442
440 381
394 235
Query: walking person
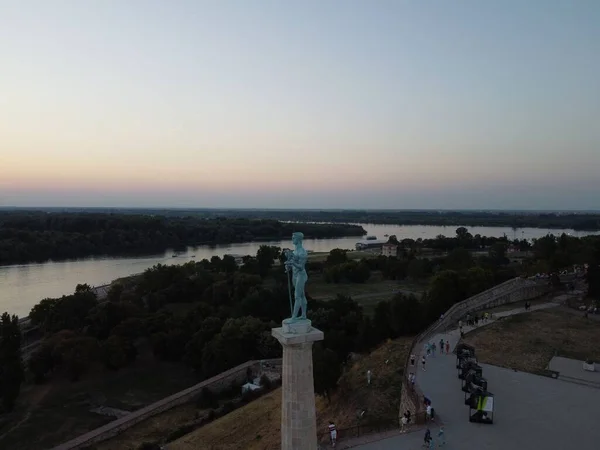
332 433
433 349
423 363
431 444
403 424
442 346
412 360
427 438
447 347
428 412
441 437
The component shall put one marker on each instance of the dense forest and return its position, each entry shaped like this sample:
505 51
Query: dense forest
27 236
588 221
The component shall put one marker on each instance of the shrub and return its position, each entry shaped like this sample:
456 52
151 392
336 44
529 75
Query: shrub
149 446
212 415
227 408
266 382
250 395
207 399
180 432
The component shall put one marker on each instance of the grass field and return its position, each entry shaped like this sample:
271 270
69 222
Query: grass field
153 429
527 342
353 255
376 285
59 410
256 426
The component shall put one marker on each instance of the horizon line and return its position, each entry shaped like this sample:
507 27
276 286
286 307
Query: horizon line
200 208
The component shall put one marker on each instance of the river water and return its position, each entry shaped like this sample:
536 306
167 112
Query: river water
22 286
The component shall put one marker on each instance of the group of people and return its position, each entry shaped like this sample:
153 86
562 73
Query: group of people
473 321
430 349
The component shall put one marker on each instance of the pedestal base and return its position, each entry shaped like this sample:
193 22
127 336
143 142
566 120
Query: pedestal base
298 416
296 326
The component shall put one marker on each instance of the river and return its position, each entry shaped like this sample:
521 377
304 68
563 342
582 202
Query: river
22 286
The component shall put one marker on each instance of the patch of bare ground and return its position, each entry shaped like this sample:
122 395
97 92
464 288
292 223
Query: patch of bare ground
256 426
527 342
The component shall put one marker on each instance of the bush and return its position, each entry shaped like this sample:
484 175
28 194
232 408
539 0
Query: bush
266 382
227 408
207 399
180 432
250 395
149 446
212 415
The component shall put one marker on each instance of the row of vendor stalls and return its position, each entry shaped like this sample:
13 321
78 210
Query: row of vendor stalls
477 397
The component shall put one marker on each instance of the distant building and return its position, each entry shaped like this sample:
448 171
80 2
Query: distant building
389 249
369 243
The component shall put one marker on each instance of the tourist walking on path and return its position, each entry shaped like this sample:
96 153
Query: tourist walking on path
441 437
442 346
411 380
403 424
447 347
427 438
433 349
412 360
423 363
332 433
431 444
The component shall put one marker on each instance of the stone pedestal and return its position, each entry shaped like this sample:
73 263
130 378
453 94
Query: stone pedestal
298 417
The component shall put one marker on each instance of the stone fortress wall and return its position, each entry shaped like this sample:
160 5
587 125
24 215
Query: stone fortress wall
511 291
217 383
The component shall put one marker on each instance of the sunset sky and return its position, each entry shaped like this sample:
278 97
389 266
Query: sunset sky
313 104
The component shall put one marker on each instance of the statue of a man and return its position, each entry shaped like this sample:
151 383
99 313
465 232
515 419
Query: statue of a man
296 260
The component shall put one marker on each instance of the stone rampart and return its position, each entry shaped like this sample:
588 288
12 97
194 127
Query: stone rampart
216 384
511 291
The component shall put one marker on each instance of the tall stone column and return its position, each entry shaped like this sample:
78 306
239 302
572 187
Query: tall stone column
298 415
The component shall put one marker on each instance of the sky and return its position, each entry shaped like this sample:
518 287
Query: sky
300 104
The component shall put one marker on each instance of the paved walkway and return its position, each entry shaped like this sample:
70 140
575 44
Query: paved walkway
530 411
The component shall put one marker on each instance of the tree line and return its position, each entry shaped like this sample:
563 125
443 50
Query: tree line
587 221
37 236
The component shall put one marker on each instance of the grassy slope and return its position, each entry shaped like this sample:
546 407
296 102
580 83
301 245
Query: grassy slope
257 425
153 429
527 342
59 410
